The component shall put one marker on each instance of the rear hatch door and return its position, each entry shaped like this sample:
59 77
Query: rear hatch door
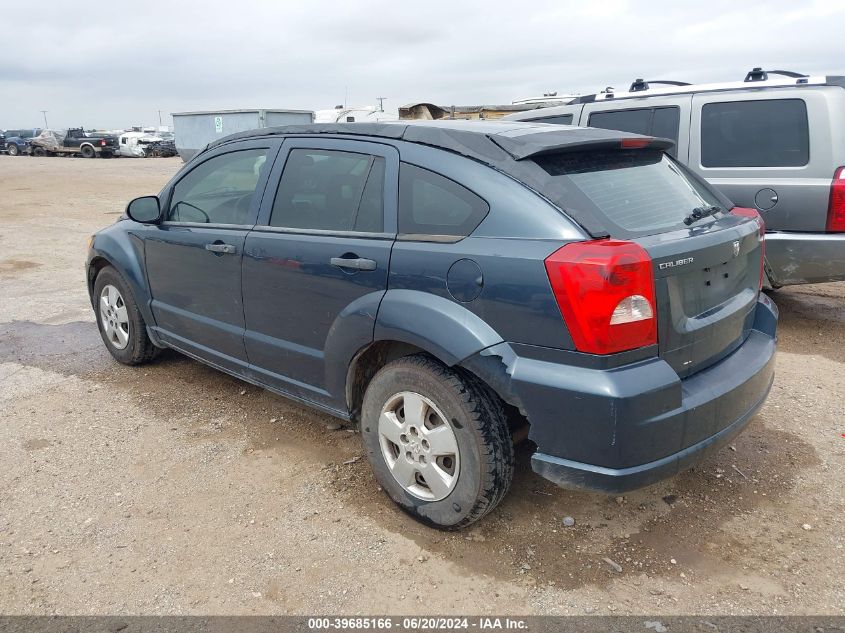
706 285
706 270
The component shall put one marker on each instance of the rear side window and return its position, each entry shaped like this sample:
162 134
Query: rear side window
634 192
329 190
432 205
662 122
768 133
561 119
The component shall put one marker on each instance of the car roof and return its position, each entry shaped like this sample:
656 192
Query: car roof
491 142
502 145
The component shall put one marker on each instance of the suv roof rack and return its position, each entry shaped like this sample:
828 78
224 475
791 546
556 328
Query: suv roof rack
755 79
758 74
639 85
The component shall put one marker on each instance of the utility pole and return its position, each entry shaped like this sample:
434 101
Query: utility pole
44 112
159 118
381 103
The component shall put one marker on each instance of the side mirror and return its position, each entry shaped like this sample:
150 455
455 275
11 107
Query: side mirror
146 209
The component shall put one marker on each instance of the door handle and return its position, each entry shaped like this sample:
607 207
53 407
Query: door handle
353 263
221 248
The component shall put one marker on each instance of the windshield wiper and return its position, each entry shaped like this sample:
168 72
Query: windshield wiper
701 212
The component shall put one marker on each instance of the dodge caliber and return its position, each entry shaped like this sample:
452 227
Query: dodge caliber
450 287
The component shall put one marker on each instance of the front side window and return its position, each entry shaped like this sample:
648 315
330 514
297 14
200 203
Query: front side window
329 190
220 190
432 205
767 133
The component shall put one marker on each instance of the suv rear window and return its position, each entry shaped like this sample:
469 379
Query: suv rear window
662 122
634 192
767 133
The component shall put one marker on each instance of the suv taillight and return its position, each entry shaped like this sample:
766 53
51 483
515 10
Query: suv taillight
605 291
836 206
761 228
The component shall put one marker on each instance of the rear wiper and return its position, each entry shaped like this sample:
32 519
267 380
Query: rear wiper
701 212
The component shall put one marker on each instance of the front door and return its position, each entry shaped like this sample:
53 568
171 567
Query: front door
318 260
193 257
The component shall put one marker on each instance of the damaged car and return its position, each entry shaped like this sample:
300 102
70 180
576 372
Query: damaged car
74 142
452 287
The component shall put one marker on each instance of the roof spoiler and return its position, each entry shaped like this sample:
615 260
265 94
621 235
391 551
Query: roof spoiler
593 140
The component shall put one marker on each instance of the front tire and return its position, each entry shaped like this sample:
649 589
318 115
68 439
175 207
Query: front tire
39 152
438 442
121 324
13 150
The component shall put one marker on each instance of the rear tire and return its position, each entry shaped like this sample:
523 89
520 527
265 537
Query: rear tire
121 324
87 151
13 150
451 463
39 152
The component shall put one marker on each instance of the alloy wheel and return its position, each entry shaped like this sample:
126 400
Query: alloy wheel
114 317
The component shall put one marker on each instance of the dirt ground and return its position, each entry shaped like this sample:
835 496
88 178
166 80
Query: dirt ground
175 489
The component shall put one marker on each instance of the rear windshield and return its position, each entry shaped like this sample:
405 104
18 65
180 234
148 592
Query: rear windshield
633 192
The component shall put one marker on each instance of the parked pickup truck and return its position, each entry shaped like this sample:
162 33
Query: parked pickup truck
74 141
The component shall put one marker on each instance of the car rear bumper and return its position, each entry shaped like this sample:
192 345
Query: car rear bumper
805 258
622 428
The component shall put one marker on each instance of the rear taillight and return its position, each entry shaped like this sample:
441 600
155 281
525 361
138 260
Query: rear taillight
836 206
605 291
761 229
103 143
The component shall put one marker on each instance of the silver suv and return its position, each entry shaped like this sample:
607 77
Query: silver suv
774 141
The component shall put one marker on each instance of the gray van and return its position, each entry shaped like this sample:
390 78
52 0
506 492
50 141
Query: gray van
774 141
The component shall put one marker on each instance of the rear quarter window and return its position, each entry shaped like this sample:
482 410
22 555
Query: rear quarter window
560 119
432 206
663 122
765 133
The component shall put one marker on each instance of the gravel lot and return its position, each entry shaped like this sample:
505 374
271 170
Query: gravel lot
175 489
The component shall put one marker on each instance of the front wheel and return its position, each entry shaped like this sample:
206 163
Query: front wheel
39 152
437 440
121 324
13 150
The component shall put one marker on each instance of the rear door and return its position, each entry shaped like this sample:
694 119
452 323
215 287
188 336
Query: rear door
319 256
193 257
767 149
665 117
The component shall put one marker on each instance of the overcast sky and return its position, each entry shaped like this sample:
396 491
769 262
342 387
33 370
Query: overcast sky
113 64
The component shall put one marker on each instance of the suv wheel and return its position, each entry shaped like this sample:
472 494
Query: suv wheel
12 149
438 442
87 151
121 324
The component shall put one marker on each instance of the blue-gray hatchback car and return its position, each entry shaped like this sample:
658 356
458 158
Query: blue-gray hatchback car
448 285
